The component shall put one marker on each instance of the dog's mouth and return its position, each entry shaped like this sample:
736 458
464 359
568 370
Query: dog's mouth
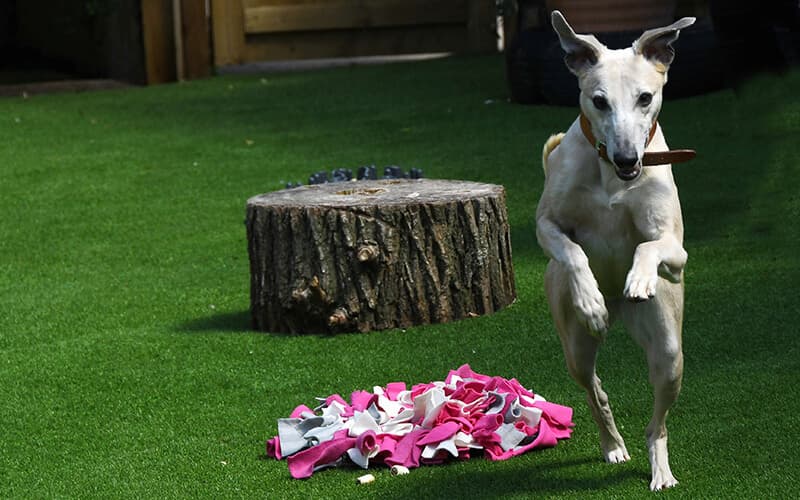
628 174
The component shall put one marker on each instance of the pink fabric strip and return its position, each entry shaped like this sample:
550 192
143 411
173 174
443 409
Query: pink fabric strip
300 410
394 388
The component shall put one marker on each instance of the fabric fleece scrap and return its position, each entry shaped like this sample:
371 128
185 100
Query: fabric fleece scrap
427 424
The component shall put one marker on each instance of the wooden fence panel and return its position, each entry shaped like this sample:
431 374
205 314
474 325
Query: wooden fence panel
354 14
261 30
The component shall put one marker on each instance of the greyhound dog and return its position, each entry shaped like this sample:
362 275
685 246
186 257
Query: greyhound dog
613 230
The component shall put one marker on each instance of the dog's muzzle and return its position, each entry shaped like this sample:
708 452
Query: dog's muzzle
627 168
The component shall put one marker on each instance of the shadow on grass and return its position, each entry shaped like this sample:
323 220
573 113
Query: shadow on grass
235 322
229 322
551 478
557 477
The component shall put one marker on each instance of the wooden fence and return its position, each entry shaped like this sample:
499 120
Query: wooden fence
267 30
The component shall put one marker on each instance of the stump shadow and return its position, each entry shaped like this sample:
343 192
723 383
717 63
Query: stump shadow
227 322
237 322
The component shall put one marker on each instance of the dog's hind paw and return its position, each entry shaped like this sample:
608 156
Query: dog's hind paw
616 456
662 479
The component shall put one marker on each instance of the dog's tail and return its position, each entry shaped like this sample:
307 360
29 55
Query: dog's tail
552 143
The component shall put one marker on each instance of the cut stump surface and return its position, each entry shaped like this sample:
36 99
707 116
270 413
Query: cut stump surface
371 255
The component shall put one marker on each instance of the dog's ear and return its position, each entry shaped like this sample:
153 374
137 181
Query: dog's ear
582 51
656 44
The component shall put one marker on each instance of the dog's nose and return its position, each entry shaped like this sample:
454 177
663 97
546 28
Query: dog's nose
625 162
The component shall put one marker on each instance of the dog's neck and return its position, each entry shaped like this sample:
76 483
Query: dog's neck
610 189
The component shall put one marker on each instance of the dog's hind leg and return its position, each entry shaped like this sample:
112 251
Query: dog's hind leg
580 353
656 326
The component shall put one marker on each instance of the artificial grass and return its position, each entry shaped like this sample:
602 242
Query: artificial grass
126 365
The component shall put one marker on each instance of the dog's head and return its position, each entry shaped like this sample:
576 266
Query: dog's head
621 89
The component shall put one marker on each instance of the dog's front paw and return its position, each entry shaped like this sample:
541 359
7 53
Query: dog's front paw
641 285
590 305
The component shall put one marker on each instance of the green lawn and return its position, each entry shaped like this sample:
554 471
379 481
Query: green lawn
126 365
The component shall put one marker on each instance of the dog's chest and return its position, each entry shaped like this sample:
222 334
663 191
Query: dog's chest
604 228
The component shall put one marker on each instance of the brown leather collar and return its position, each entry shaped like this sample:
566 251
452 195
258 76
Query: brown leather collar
649 158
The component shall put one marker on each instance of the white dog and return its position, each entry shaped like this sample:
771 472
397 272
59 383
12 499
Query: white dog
613 229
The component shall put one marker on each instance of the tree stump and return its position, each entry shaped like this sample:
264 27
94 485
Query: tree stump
371 255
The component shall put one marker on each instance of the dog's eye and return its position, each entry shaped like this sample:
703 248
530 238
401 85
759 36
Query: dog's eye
645 98
600 102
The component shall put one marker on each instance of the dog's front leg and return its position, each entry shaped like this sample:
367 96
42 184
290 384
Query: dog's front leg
589 303
663 257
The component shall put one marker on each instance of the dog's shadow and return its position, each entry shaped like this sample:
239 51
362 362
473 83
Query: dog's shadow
553 477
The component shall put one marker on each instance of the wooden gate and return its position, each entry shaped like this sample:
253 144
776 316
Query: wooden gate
270 30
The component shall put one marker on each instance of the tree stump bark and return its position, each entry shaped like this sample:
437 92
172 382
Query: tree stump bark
371 255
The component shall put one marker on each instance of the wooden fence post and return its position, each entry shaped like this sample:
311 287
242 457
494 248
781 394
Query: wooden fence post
158 40
227 19
196 31
177 40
